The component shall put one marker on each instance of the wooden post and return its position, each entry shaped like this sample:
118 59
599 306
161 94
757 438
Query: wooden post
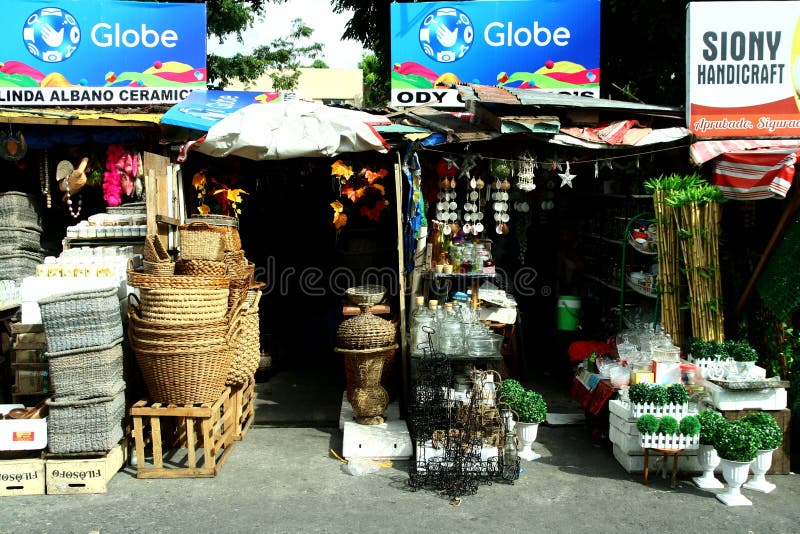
401 279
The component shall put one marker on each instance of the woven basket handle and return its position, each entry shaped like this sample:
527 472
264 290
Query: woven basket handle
257 300
230 336
235 313
200 224
136 307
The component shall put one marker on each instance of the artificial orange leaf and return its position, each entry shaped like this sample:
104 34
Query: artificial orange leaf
378 187
199 180
373 213
371 176
339 221
337 206
203 209
338 168
350 192
234 195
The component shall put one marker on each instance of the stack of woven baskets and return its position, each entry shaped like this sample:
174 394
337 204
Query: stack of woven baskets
192 327
20 236
84 348
366 341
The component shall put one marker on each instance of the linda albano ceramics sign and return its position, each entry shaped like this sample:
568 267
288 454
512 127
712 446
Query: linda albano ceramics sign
743 69
549 45
93 52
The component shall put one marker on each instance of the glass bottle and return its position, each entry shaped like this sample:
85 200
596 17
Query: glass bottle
510 458
421 320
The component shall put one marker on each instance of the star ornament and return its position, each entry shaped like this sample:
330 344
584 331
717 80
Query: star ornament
566 177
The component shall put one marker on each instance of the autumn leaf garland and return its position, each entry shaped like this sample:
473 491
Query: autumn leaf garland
361 189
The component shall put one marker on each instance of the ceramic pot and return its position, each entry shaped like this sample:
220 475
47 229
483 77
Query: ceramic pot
735 474
708 459
759 467
526 435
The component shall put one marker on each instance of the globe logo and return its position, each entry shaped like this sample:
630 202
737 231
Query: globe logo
51 34
446 34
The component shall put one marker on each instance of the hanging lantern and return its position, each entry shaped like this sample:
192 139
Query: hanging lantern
525 173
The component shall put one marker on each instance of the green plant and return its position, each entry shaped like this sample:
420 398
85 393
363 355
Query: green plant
647 424
658 395
639 393
769 432
530 407
737 441
741 351
689 426
710 421
510 391
677 394
667 425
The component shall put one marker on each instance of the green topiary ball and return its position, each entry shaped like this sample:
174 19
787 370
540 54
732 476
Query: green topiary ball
667 425
677 394
769 432
647 424
638 393
710 421
689 426
737 441
510 390
658 395
531 407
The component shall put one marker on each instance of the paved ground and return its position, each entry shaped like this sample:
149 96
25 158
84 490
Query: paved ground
283 479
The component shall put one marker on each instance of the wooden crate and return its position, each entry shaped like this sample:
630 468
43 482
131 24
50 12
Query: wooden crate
158 428
22 477
245 405
781 458
73 474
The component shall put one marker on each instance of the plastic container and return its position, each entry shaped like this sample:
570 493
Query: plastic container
568 312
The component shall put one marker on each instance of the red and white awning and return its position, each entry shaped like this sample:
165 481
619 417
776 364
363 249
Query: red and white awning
749 169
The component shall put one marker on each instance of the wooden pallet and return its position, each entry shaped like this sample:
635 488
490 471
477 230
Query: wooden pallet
245 405
209 428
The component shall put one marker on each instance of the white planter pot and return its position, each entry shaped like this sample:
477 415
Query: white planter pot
759 467
735 474
526 435
708 459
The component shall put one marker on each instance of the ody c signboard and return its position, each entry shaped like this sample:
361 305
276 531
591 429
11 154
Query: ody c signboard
92 52
550 45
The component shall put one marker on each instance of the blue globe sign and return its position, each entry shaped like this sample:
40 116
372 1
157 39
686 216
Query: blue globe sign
446 34
51 34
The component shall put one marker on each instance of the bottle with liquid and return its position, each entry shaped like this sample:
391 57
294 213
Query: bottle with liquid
510 459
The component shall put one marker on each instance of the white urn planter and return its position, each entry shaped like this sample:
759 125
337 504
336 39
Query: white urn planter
526 435
735 474
759 467
708 459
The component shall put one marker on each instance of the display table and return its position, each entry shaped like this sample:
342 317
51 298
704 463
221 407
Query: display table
594 399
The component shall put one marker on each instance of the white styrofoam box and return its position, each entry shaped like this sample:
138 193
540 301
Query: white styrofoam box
21 434
620 409
346 412
389 440
634 463
627 443
427 451
626 426
762 399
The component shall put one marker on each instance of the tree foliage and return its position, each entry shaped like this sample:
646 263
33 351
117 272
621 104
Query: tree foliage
281 57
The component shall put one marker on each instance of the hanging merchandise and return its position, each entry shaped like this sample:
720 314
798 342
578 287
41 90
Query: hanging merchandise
415 235
44 177
500 205
566 177
71 181
446 206
522 223
473 216
525 172
12 146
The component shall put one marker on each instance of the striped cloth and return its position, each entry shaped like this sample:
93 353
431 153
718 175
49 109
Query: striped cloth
755 174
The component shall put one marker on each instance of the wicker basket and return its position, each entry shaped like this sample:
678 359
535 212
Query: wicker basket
87 372
183 305
388 372
180 376
368 398
366 295
88 425
154 250
236 263
237 295
227 226
149 281
13 239
18 265
81 319
246 348
167 331
201 267
159 268
365 331
20 210
201 241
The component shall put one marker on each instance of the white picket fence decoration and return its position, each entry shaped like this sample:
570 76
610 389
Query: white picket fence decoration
669 441
677 411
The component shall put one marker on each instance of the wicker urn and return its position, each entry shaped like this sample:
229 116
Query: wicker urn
365 331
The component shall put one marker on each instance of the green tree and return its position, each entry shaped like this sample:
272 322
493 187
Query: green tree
319 64
282 57
376 84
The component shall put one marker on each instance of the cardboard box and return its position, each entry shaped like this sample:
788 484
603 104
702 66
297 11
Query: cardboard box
29 380
30 340
71 476
29 356
21 434
22 477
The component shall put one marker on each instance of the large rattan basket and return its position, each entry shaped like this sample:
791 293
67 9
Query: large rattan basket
365 331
